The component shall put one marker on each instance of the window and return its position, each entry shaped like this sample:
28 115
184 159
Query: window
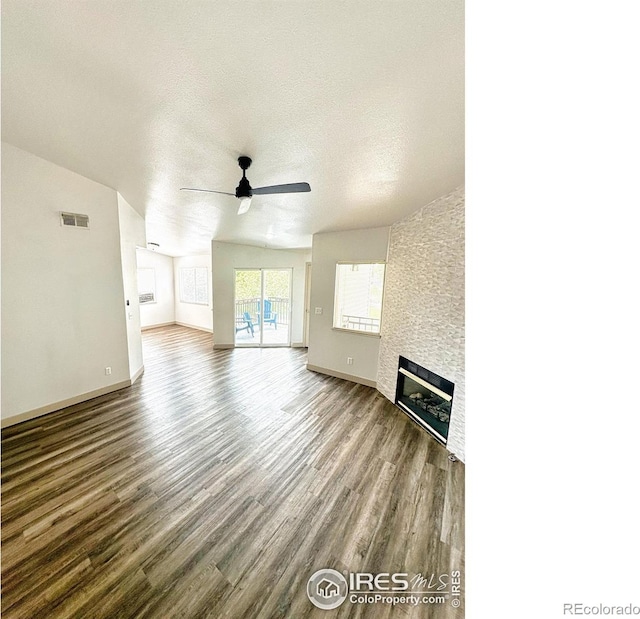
146 286
358 302
194 287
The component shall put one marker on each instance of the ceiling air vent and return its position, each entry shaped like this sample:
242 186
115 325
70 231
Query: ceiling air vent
74 220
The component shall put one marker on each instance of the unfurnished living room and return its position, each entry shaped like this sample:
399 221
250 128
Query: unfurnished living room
233 309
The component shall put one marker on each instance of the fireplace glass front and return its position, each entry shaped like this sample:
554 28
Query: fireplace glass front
425 397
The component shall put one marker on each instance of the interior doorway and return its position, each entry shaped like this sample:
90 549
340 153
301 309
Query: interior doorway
262 306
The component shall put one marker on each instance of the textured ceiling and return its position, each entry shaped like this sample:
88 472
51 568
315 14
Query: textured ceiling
363 100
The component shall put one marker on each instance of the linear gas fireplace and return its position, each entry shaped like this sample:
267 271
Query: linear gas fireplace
425 397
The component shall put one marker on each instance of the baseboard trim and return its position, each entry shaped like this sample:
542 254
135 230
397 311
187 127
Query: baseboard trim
227 346
162 324
350 377
186 324
137 375
56 406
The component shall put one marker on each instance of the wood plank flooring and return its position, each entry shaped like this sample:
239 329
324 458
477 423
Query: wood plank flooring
215 486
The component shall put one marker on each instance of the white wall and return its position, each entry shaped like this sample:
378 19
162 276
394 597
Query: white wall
424 302
132 234
63 318
225 257
192 314
328 347
163 311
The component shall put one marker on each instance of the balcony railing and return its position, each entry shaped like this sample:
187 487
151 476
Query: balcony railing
279 306
360 323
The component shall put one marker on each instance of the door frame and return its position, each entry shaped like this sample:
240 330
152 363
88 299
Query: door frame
261 343
307 304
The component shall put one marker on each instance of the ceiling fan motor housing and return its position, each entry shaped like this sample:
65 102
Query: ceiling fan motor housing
243 190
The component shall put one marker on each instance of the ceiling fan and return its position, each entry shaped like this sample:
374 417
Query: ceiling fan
244 191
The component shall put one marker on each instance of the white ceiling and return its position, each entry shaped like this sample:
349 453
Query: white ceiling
363 100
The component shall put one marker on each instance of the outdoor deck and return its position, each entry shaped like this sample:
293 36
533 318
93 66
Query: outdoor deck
274 333
271 335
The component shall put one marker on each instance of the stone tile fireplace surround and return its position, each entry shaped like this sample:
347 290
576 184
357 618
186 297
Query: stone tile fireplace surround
424 302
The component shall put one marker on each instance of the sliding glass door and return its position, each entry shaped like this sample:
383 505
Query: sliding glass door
262 307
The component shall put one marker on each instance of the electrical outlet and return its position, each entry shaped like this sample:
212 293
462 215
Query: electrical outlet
318 310
349 360
107 371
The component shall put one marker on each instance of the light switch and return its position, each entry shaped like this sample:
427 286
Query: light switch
318 310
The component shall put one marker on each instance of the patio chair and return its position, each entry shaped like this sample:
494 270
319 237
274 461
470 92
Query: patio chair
269 316
247 326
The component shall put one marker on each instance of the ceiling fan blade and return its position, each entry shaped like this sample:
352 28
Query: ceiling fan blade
290 188
226 193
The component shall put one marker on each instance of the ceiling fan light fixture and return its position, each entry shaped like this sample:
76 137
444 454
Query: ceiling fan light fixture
245 203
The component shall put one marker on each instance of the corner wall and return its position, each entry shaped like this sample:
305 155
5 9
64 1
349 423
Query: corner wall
329 347
423 312
163 311
132 235
192 314
63 317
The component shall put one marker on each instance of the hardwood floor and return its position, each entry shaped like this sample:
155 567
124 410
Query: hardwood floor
215 486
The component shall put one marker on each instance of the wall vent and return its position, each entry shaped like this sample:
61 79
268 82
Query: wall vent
74 220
